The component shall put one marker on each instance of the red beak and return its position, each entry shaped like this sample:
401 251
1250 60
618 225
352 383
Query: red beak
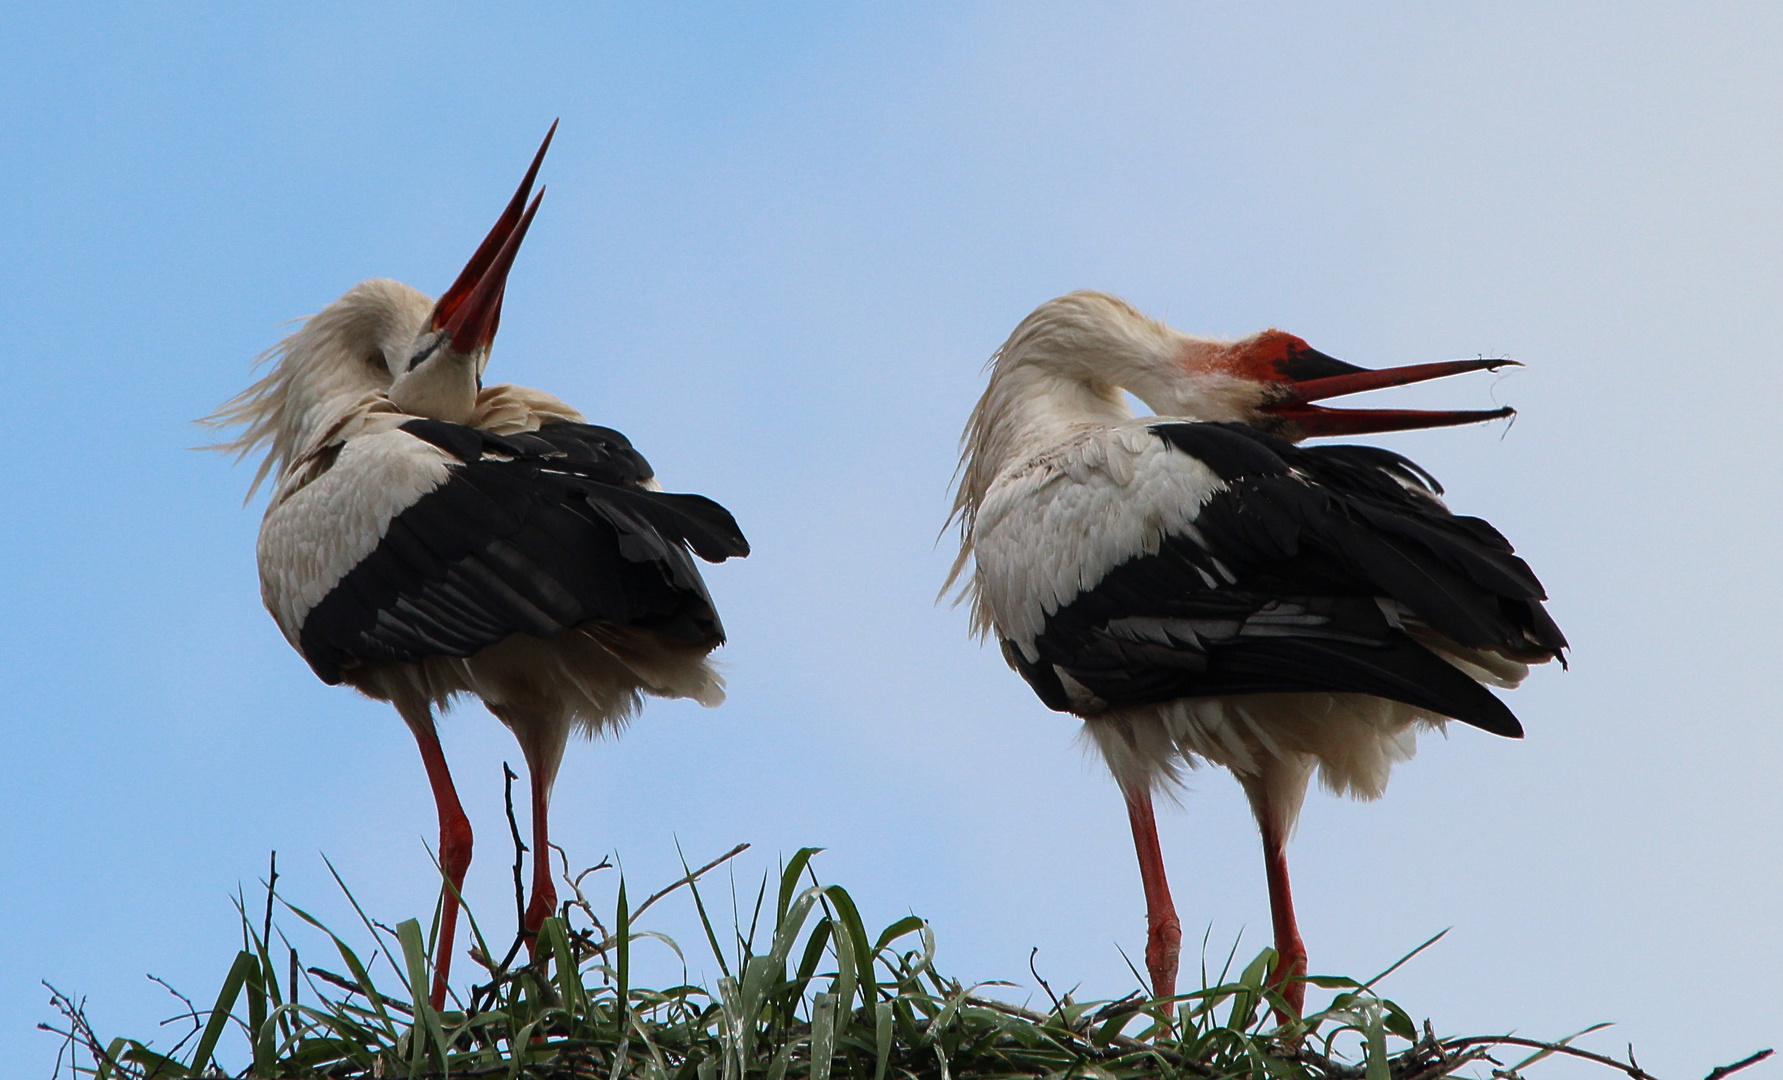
1309 421
470 311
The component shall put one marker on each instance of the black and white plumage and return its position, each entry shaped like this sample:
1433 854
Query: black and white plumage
430 537
532 533
1198 587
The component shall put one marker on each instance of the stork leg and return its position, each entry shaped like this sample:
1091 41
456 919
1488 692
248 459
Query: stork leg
1163 939
455 841
1290 950
541 735
544 894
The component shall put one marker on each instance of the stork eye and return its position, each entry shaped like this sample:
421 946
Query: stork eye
423 354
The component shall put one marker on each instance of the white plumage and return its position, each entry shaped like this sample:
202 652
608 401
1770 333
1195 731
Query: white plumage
1054 524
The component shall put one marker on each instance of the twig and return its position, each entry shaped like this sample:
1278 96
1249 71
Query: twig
583 942
1340 1070
1634 1071
563 855
605 864
520 850
354 988
1402 961
272 879
1426 1060
1439 1063
1127 1043
79 1031
1132 1003
1723 1070
688 879
1058 1009
191 1013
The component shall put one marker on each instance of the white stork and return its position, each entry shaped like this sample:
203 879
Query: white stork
429 536
1197 587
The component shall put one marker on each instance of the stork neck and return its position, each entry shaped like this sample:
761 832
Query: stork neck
1040 407
443 387
1026 411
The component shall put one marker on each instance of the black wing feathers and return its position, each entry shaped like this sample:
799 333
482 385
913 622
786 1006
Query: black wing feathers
1277 589
1370 524
533 533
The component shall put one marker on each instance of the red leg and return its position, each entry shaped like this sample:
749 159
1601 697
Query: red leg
544 894
455 848
1290 950
1163 939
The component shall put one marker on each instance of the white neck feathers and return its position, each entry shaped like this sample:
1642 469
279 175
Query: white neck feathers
1062 369
324 371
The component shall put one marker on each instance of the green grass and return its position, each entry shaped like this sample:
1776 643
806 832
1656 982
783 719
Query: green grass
806 992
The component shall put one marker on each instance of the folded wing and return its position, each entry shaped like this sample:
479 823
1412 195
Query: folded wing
531 533
1306 569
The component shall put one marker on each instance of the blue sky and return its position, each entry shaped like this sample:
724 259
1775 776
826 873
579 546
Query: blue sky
777 247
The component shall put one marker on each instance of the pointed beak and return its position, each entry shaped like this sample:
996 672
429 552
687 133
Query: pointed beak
470 311
1306 420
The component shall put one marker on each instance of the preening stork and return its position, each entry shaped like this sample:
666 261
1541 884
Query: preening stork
1198 587
429 537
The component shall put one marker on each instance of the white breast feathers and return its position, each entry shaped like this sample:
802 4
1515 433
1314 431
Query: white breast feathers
1053 525
313 536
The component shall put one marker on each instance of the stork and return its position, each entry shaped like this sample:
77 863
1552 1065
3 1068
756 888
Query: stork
430 537
1199 588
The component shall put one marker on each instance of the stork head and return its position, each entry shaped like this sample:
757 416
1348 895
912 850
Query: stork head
1271 379
1076 352
440 370
383 337
1267 381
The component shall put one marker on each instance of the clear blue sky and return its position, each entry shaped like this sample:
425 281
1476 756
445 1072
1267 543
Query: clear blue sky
777 248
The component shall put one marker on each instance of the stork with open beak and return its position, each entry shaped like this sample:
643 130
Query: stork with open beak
430 537
1199 588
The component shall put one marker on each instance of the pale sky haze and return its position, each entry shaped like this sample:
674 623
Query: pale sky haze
778 245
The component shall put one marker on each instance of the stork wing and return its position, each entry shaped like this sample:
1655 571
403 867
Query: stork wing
530 533
1298 572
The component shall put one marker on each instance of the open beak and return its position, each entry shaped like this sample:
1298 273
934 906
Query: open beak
470 311
1306 420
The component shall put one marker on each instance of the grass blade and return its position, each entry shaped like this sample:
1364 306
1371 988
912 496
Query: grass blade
244 966
1374 1042
622 927
823 1036
699 905
882 1038
789 880
850 919
427 1036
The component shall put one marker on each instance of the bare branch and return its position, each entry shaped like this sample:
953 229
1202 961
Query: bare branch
1723 1070
689 878
1634 1071
352 987
520 850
